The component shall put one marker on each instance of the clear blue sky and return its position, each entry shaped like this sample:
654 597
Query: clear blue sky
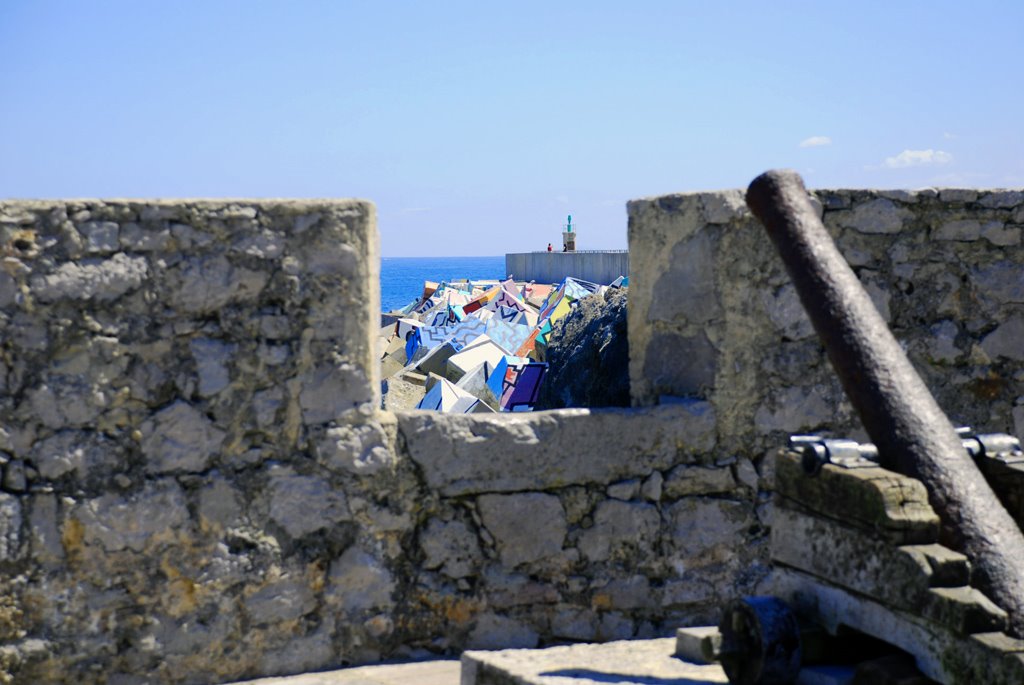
476 127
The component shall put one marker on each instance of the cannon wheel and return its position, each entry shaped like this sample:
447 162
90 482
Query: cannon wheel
760 642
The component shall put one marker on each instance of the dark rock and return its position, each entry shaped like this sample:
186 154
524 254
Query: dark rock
588 355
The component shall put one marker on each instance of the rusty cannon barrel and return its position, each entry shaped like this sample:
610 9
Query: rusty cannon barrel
911 432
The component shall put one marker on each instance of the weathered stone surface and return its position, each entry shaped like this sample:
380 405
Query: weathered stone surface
301 505
795 410
212 359
856 560
473 454
873 498
359 449
328 391
100 236
452 547
942 345
91 280
690 270
1002 198
962 229
958 195
683 366
220 504
284 599
179 439
698 480
146 518
44 534
787 314
724 207
654 487
876 216
999 234
1000 282
963 610
135 238
10 527
69 451
620 529
704 529
358 582
500 632
699 644
506 589
1007 340
526 527
633 592
624 490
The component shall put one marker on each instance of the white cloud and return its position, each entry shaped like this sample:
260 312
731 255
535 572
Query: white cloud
909 158
949 136
816 141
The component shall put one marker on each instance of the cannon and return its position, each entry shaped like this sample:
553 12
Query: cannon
912 434
817 451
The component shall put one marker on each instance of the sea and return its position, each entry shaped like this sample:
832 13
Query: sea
401 278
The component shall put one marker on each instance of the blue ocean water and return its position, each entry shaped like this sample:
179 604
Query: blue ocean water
401 278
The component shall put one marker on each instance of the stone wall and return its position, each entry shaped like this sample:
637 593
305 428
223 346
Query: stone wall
198 487
712 313
176 379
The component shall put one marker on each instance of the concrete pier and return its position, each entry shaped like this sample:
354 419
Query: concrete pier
597 266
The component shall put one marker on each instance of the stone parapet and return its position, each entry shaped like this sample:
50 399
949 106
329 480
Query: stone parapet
712 313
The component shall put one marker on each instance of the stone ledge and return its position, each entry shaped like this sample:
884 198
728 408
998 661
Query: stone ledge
462 455
629 662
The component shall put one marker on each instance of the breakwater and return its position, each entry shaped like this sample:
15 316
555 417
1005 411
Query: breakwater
596 266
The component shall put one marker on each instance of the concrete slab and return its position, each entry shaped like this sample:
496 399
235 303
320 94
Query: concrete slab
628 662
443 672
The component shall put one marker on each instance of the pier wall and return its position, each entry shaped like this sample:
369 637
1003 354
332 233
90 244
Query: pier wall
198 485
601 267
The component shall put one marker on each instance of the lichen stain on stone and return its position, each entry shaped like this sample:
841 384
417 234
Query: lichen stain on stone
73 539
457 610
987 388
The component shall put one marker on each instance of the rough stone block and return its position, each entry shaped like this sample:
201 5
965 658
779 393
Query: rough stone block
179 439
472 454
358 582
116 522
881 215
284 599
526 527
301 505
705 530
620 529
699 645
451 546
685 480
